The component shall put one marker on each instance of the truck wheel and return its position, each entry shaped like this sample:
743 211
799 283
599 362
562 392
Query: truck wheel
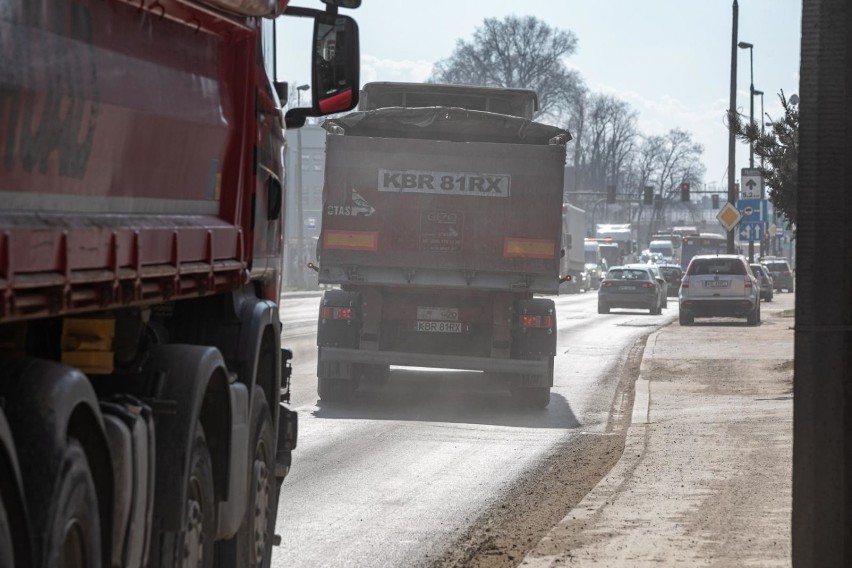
194 545
7 552
533 397
254 539
335 390
73 531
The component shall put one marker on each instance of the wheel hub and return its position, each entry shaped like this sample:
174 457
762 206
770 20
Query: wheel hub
262 503
193 543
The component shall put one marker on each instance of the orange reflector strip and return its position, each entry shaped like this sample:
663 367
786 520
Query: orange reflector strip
529 248
351 240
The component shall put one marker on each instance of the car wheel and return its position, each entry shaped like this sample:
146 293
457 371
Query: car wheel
685 318
603 308
753 318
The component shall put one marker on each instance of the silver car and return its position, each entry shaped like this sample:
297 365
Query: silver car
719 286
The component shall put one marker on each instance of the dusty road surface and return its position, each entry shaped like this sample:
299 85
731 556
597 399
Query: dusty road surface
439 468
705 477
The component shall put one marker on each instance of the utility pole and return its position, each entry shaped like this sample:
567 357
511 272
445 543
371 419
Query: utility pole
732 141
300 260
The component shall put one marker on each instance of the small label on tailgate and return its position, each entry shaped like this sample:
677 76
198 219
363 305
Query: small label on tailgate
446 183
441 231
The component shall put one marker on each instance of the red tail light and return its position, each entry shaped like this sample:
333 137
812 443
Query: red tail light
606 284
336 313
748 283
647 285
536 321
684 283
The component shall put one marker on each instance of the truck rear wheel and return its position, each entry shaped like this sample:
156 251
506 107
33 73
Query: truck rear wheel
533 397
73 530
254 539
335 390
7 552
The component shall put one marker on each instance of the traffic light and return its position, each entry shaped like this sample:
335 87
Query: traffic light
610 194
648 196
715 199
684 191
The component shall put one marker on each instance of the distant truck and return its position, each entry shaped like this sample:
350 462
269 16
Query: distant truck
442 221
573 262
623 235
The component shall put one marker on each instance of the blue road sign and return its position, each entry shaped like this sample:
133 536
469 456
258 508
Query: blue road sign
750 231
752 210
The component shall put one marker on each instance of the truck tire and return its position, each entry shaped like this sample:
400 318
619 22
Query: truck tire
7 550
253 542
193 547
73 530
335 390
533 397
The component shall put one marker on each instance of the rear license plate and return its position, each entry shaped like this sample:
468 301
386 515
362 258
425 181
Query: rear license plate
717 283
438 326
627 288
437 314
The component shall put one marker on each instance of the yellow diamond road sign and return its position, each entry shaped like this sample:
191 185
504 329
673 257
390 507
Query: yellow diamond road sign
729 216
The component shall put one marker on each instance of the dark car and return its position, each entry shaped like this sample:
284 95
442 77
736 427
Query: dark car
782 276
658 276
626 287
673 275
766 284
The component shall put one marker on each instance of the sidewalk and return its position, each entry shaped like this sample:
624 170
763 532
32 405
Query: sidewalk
705 477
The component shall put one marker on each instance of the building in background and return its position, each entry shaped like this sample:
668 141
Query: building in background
299 248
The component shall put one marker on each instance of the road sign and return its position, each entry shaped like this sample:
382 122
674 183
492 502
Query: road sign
728 216
751 209
773 229
751 183
751 231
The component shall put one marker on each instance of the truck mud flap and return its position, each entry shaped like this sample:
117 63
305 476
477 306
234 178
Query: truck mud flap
288 433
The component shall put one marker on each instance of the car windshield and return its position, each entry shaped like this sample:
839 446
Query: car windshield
670 271
628 274
724 266
777 267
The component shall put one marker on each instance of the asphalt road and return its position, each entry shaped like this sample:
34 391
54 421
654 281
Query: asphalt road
395 477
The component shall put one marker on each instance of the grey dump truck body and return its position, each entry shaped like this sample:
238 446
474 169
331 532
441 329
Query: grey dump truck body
439 225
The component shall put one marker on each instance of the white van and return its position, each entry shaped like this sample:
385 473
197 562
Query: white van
665 248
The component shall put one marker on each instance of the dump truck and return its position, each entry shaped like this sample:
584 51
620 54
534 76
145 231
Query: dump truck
442 222
143 386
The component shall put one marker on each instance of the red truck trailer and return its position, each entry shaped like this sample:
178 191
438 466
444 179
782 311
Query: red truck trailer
442 220
142 379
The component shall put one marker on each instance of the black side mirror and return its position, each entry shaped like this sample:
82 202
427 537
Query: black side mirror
335 66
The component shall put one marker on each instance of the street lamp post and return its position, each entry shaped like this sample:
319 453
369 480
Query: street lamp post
750 48
732 108
300 261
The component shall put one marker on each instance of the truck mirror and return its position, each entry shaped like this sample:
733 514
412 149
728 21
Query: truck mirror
562 253
335 64
313 267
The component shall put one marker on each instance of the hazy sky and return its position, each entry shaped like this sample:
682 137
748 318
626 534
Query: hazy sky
670 59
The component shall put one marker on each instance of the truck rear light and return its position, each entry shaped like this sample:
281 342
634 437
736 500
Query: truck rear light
329 313
537 321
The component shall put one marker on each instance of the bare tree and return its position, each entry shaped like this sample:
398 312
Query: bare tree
515 52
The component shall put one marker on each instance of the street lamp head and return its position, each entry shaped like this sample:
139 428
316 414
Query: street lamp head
745 45
758 92
794 99
303 87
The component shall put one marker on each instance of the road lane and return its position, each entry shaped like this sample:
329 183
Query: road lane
394 477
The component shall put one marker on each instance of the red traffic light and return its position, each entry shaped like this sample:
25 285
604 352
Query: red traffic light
684 191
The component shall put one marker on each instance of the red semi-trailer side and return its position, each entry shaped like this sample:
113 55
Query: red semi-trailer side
440 223
142 378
